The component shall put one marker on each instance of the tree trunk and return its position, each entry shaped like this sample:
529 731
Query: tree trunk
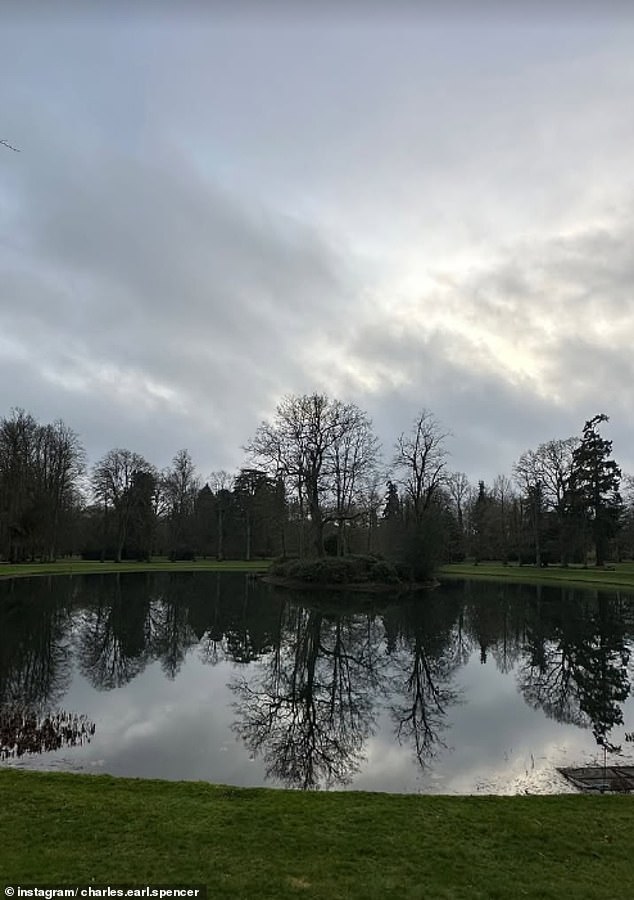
318 538
248 538
220 528
283 539
599 544
538 548
317 523
563 548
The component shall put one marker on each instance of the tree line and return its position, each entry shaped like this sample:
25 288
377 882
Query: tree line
314 482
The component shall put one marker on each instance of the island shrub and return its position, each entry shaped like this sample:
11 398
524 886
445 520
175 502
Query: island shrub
327 570
384 572
354 569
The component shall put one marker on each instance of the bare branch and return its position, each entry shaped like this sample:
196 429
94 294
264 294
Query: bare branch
420 459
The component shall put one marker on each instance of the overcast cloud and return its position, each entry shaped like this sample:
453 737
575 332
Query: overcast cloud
209 212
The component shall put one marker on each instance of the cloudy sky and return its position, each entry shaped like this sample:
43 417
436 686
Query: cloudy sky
210 211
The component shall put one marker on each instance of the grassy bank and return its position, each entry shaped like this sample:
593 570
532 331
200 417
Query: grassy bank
87 567
621 576
261 843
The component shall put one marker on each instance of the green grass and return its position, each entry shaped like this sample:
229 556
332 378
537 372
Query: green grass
622 576
258 843
87 567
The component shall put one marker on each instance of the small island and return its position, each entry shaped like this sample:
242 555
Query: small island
358 572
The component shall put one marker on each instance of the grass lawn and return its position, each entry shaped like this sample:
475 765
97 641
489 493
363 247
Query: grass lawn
621 576
258 843
86 567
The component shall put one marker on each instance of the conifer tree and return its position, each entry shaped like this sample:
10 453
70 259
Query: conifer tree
594 486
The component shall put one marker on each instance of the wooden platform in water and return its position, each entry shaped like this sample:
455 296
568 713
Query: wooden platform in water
619 779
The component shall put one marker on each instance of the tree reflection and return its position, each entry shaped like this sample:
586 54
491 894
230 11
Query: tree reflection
310 709
424 660
577 665
36 668
172 635
131 620
35 651
496 617
317 679
113 637
241 619
602 676
546 675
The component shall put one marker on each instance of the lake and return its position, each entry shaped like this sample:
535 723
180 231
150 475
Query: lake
471 688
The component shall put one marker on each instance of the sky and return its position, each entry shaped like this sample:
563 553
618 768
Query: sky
212 209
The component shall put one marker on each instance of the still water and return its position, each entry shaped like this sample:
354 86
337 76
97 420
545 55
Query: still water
471 688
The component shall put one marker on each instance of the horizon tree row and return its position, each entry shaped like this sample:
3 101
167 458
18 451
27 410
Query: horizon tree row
314 483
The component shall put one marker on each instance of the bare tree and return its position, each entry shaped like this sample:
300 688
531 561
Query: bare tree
221 483
294 447
505 504
420 460
40 467
551 466
17 452
180 486
112 480
60 461
323 450
355 455
543 475
373 501
458 488
528 474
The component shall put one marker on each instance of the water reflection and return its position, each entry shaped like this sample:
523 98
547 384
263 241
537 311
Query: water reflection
312 688
425 650
309 707
576 668
35 644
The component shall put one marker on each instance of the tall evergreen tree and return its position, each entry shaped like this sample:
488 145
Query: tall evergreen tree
393 508
594 486
481 524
